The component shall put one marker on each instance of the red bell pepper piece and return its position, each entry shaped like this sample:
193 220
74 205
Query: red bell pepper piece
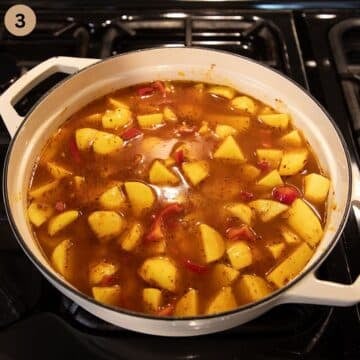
145 90
179 156
166 310
159 85
194 267
108 280
241 232
60 206
285 194
246 195
131 133
74 151
263 165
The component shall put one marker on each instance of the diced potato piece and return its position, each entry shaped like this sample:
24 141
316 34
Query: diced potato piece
251 288
223 275
152 299
223 301
79 181
239 254
150 120
57 171
94 118
85 137
196 171
59 222
292 138
118 118
169 162
223 91
169 114
188 304
204 128
61 258
293 162
101 271
212 242
243 103
159 174
229 150
250 172
39 213
268 209
162 272
141 196
223 131
108 295
276 249
271 179
112 199
106 224
272 156
132 237
289 236
241 211
238 122
43 189
304 222
115 103
106 143
291 266
316 188
278 121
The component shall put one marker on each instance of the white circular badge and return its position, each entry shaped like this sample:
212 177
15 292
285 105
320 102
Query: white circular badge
20 20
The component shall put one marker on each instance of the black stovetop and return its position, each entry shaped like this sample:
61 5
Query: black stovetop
36 321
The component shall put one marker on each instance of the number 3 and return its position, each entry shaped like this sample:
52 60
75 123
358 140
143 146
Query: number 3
20 20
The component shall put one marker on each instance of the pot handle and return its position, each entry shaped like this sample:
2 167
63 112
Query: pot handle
25 83
315 291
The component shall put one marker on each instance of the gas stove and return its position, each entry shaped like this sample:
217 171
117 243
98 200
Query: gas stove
317 48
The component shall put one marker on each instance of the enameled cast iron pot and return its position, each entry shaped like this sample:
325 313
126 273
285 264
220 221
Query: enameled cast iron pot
98 78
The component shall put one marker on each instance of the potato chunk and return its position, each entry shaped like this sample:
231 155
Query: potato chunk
251 288
277 121
188 304
61 258
141 196
243 103
222 91
162 272
43 189
289 236
160 175
267 209
108 295
212 243
105 224
241 211
85 137
291 266
302 219
229 150
106 143
196 171
131 238
271 156
61 221
58 172
270 180
316 188
152 299
116 103
293 162
100 271
115 119
276 249
169 114
223 275
39 213
150 120
223 131
239 254
223 301
112 199
292 138
250 172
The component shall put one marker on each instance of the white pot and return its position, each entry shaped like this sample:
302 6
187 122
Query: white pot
102 77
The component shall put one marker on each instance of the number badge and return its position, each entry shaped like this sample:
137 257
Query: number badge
20 20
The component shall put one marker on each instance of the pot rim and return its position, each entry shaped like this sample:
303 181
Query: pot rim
263 301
